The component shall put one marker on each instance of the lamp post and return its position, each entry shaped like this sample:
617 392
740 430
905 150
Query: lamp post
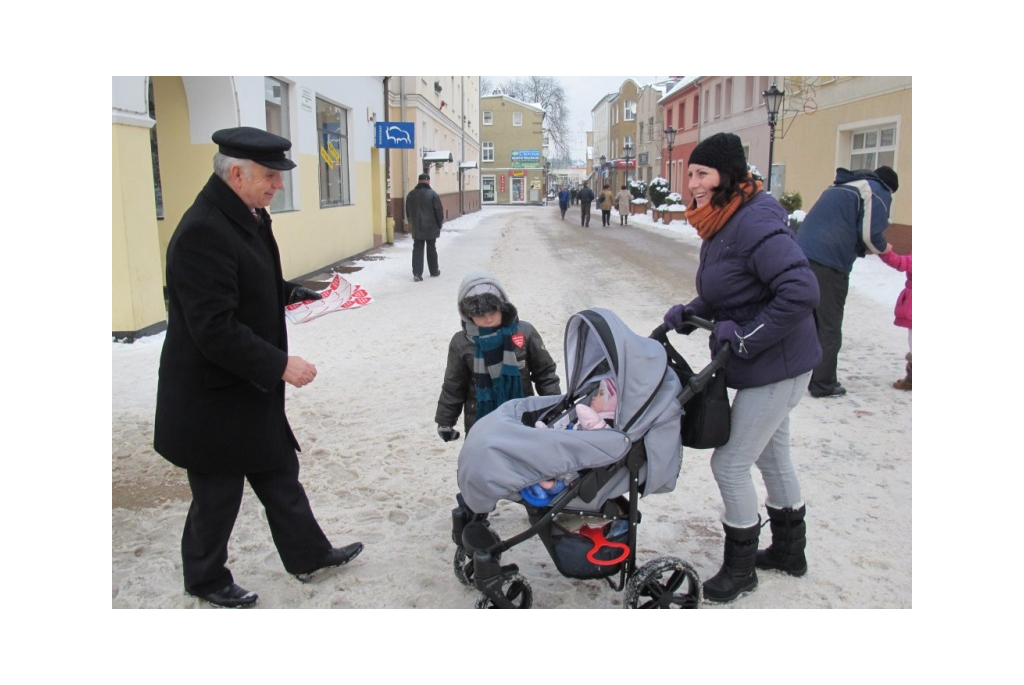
773 103
670 138
600 176
627 154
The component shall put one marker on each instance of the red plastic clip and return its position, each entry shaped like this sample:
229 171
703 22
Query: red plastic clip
596 535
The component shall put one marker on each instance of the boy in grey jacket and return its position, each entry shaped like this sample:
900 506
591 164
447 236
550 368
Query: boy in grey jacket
494 358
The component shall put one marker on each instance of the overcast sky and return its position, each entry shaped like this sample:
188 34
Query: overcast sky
583 92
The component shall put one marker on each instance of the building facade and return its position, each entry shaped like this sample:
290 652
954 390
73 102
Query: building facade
650 130
332 207
445 112
511 151
854 122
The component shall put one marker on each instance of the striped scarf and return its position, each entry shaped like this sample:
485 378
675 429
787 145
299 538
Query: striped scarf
495 369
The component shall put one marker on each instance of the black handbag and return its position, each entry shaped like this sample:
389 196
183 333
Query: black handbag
708 418
707 421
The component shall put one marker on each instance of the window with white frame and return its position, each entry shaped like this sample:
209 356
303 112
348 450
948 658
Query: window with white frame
488 152
332 140
872 148
629 111
517 118
488 118
276 101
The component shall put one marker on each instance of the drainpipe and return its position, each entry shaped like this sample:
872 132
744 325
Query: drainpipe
405 184
389 222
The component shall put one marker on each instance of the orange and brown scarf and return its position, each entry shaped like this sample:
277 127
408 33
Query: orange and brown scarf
708 220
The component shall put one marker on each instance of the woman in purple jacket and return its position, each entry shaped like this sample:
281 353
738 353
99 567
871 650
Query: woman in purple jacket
754 282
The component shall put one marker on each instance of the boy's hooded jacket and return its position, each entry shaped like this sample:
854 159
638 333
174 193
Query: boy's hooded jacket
458 391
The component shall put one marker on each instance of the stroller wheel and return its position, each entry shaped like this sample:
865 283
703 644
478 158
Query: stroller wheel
665 583
516 591
463 566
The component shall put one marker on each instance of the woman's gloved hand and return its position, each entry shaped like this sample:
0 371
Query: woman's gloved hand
676 317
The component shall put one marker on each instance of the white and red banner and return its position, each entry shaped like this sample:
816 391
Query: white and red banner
338 296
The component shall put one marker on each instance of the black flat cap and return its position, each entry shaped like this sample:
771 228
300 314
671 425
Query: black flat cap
246 142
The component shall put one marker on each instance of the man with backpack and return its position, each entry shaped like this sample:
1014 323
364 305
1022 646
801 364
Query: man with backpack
846 222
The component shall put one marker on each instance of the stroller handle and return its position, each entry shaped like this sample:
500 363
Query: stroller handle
698 380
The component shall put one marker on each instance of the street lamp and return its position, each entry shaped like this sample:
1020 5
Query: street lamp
600 176
773 103
670 138
627 154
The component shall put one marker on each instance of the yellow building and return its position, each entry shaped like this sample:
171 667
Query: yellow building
511 151
445 112
855 122
333 206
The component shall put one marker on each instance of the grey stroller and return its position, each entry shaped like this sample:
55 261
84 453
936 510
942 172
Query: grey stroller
603 473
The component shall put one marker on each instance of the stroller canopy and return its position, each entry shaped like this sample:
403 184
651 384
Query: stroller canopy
505 452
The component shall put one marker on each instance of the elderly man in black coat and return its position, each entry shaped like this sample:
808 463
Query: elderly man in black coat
220 410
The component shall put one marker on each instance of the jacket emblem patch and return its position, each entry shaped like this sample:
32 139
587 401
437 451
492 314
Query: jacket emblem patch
519 339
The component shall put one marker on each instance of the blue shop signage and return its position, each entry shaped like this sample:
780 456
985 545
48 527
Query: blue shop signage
395 134
526 156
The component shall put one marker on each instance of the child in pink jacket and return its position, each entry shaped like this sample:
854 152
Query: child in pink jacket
903 309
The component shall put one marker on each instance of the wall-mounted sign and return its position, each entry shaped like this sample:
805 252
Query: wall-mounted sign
306 100
518 173
526 156
395 134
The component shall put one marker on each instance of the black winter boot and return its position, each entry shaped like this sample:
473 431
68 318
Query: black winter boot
789 537
737 574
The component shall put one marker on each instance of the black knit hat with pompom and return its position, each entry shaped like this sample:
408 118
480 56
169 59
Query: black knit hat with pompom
722 151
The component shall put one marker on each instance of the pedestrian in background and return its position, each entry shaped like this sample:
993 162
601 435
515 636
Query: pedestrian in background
605 201
563 201
425 212
623 200
586 198
220 399
833 235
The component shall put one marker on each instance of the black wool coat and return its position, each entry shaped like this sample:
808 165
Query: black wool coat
220 395
425 212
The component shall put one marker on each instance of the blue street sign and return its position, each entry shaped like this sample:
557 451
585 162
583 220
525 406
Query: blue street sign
395 134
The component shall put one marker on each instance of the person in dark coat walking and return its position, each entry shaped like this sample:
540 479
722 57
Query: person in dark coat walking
586 197
220 406
425 212
754 282
563 201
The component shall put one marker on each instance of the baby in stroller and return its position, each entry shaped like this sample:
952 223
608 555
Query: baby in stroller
594 416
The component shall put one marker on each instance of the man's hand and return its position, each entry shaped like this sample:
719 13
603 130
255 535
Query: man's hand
301 294
299 372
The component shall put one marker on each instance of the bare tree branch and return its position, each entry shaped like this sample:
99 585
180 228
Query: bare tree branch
549 94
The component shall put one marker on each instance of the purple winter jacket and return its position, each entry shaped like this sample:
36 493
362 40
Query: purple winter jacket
755 282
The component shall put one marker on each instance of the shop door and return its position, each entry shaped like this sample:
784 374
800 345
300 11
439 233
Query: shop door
518 189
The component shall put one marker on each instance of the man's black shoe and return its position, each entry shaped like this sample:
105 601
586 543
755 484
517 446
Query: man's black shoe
435 274
338 556
231 596
835 392
417 278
